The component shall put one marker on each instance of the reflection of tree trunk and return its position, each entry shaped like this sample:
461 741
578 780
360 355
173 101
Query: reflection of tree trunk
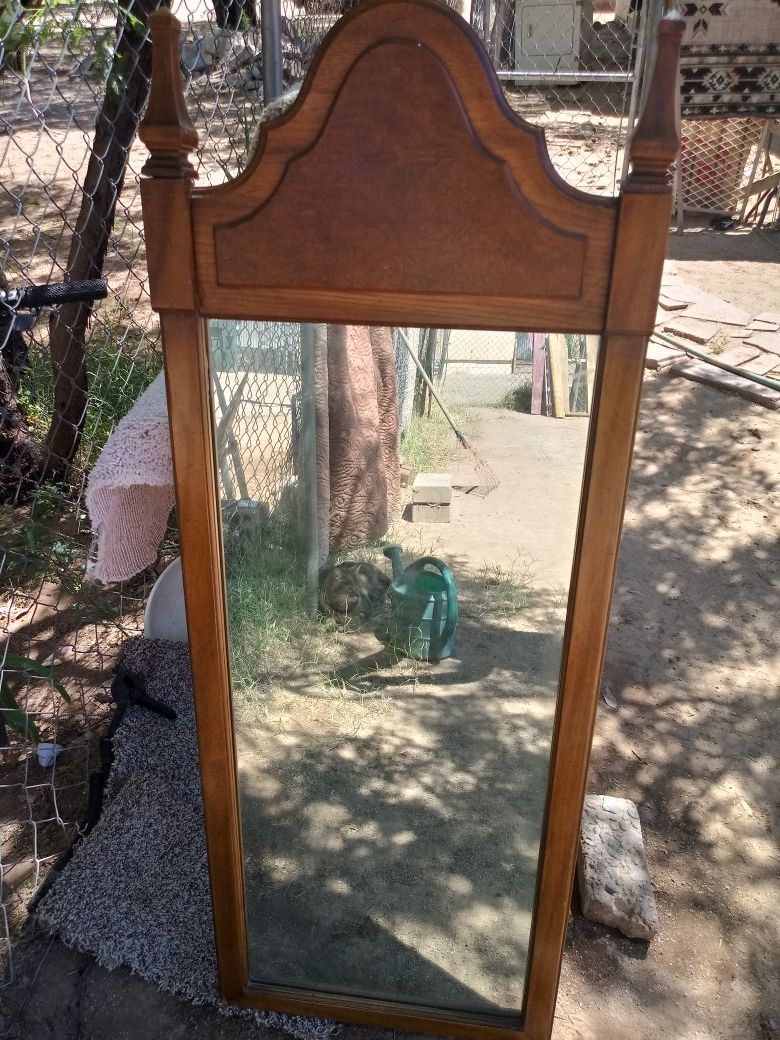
20 456
127 91
427 356
230 14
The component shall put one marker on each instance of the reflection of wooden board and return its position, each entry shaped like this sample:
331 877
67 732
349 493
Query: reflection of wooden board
537 373
592 344
559 373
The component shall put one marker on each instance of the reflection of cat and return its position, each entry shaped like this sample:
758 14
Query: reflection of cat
243 524
352 590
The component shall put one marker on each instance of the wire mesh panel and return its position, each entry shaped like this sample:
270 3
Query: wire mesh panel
74 80
716 156
573 72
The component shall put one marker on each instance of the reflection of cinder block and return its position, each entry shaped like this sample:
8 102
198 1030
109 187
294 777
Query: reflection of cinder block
432 488
430 513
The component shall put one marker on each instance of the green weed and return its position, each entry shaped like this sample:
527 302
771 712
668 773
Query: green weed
11 715
116 377
518 399
498 591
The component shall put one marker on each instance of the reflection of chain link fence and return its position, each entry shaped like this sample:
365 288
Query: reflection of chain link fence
257 389
574 72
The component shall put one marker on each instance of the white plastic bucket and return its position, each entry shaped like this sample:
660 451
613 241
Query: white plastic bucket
165 617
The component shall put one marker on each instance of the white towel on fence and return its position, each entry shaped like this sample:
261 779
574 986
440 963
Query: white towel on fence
130 493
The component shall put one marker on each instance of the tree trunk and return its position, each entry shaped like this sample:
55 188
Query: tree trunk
21 457
427 354
127 92
235 14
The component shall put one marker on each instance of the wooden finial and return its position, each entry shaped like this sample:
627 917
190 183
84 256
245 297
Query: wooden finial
656 140
167 129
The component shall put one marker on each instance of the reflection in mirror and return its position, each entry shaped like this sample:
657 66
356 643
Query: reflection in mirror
396 636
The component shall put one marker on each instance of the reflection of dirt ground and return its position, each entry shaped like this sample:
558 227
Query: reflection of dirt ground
392 814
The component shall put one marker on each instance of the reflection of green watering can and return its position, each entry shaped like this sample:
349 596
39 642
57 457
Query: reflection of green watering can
423 607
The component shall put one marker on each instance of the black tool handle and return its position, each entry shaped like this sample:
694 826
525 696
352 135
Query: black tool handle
129 687
152 704
63 292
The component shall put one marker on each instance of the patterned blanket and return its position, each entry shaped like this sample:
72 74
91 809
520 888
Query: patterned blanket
730 62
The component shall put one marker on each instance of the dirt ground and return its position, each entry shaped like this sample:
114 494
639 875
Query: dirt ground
693 664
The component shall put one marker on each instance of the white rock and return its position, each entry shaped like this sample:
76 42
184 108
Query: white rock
614 880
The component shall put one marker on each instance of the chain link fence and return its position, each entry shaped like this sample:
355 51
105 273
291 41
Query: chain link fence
74 80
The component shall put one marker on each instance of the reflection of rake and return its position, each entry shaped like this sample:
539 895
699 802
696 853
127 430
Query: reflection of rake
487 480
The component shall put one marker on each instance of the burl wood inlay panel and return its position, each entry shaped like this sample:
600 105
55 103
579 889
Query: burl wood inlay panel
369 211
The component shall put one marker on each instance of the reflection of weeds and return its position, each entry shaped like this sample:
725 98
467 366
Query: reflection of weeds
427 445
499 590
555 610
271 632
327 716
518 399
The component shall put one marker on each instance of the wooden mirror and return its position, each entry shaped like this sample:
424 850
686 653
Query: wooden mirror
392 834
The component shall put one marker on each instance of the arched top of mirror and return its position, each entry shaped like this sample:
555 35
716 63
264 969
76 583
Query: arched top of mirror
399 187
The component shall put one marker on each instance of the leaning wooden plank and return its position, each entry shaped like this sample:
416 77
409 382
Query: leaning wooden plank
592 346
537 372
701 372
764 184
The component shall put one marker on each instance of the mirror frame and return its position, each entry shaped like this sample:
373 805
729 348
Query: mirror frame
208 250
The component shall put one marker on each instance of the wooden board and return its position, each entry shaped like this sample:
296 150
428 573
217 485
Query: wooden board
559 374
709 375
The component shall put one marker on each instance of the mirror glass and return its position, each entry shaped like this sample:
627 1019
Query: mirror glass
399 510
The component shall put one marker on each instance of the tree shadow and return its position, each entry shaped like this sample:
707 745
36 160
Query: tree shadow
693 664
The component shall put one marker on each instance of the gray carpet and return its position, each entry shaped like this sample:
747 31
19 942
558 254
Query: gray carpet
136 892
